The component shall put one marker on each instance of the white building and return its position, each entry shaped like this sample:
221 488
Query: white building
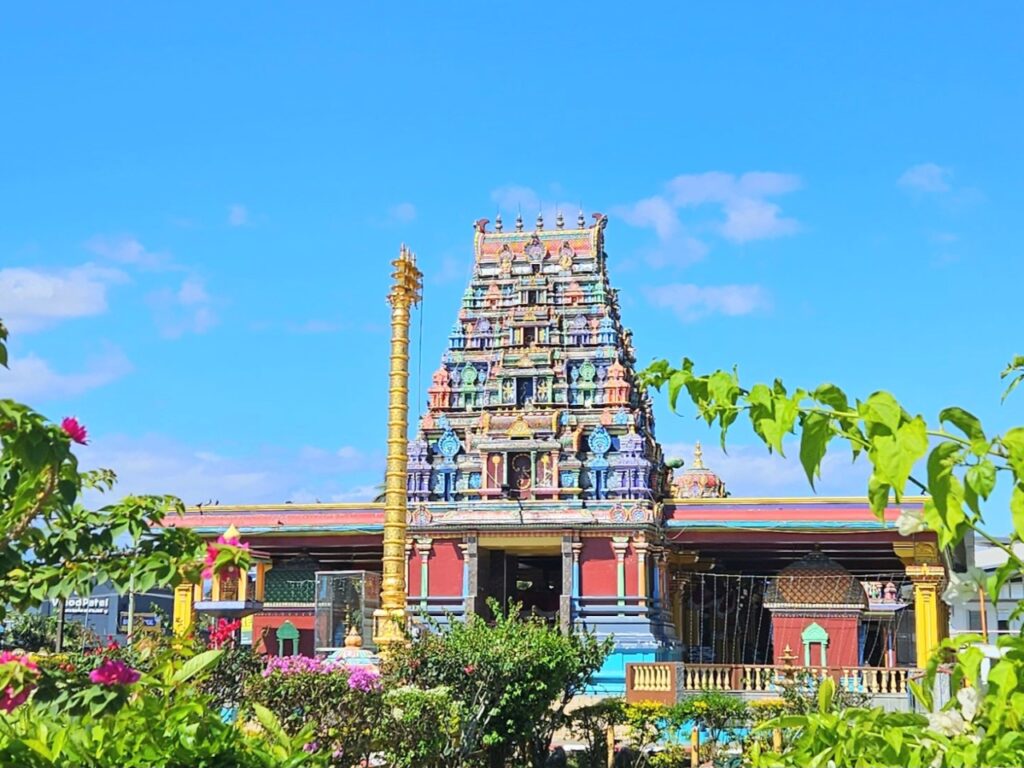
966 617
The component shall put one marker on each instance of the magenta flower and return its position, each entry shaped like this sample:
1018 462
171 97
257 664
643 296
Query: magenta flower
363 679
114 672
11 697
75 430
212 550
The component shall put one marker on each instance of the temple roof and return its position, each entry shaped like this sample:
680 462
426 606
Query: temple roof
815 581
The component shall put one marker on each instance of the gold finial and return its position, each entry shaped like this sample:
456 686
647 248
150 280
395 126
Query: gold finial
581 222
540 221
519 221
497 223
408 280
560 220
353 638
698 456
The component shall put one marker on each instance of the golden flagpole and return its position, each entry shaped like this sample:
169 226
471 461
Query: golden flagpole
389 619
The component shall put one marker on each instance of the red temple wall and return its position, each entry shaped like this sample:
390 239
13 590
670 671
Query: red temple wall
842 639
597 568
444 578
415 566
270 622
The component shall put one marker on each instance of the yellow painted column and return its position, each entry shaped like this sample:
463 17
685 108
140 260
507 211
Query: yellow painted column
928 630
183 614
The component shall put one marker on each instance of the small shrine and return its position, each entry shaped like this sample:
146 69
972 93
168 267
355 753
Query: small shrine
697 481
816 605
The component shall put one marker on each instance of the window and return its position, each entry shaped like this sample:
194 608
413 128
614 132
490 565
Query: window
974 621
1003 625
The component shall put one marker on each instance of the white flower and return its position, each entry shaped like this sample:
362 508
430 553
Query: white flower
948 723
963 587
969 700
911 521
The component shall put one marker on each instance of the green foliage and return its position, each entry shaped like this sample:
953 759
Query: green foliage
590 725
162 720
514 677
316 699
420 728
964 464
714 713
53 546
35 632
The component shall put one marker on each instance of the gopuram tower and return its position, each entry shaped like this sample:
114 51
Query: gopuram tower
535 476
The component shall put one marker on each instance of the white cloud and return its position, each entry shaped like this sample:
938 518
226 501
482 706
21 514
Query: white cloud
692 302
31 378
654 212
748 216
238 215
927 177
186 310
749 470
403 213
125 249
33 299
193 291
159 464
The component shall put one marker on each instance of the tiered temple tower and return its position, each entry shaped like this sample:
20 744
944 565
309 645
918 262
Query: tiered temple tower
535 476
534 398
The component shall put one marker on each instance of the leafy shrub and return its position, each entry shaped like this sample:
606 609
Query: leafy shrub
420 728
339 707
514 678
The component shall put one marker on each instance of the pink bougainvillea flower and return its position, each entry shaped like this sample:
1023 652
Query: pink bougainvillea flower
114 672
75 430
469 669
11 697
363 679
212 550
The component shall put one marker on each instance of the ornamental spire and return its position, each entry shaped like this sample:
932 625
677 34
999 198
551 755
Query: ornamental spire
698 456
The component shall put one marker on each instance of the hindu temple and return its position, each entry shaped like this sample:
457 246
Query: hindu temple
535 477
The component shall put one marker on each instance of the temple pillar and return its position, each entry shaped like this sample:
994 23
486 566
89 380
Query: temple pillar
471 569
619 545
565 600
423 545
408 560
642 548
927 580
184 613
923 568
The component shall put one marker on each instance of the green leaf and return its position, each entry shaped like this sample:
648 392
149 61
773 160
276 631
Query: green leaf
878 495
270 722
195 665
832 396
894 455
1017 509
981 477
817 431
1016 365
881 410
1013 441
675 383
966 422
826 692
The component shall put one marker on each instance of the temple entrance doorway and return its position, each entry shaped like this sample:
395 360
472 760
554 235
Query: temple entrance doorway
528 573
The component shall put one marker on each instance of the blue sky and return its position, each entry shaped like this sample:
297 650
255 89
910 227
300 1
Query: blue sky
199 205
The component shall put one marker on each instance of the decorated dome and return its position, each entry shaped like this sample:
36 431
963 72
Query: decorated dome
698 482
815 580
